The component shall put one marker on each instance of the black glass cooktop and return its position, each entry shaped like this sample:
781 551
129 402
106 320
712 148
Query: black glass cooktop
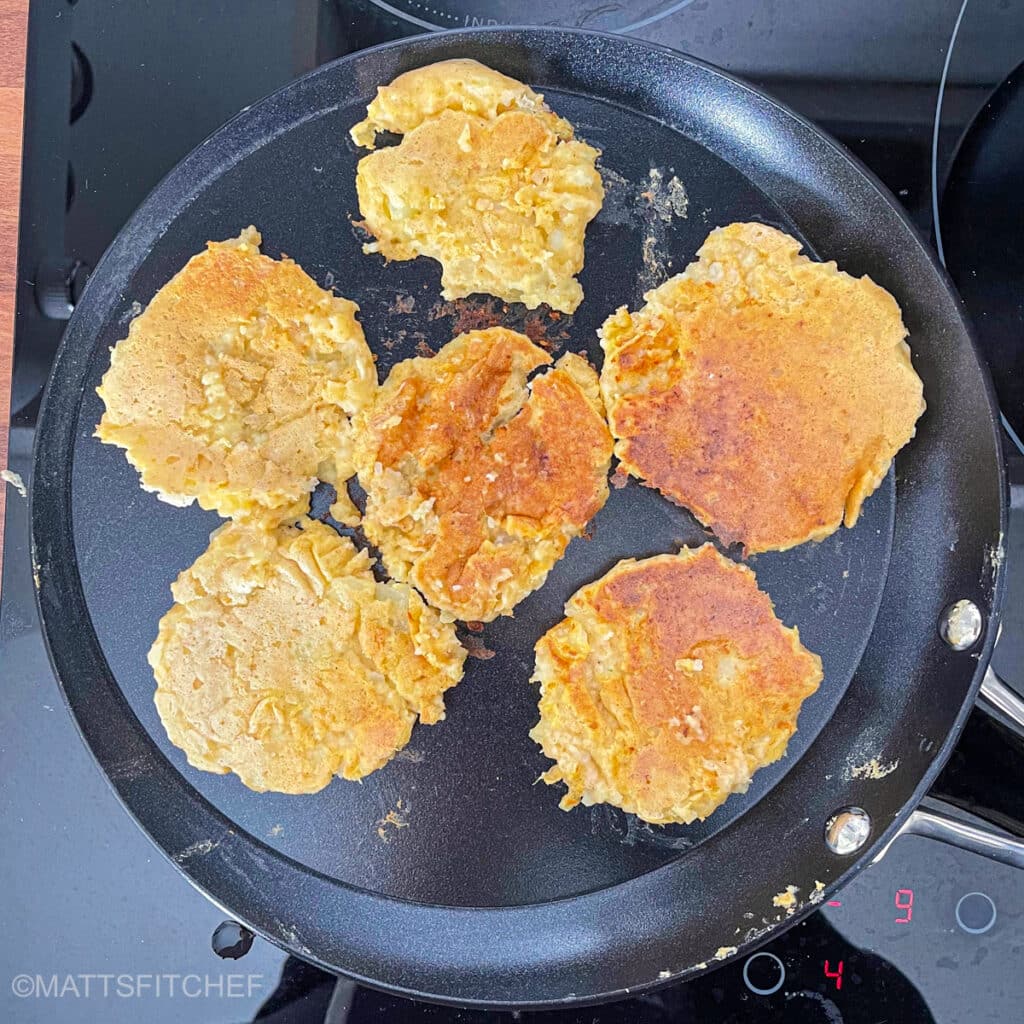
98 926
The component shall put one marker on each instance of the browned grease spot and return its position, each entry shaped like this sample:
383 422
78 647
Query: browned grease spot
543 326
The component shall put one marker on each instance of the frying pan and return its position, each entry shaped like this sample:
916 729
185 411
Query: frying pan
448 875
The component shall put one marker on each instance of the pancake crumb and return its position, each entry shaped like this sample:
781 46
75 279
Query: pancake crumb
873 769
15 480
786 900
392 822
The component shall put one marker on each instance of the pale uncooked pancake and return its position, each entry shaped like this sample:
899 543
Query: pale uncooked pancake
765 392
236 386
667 685
475 482
284 661
486 180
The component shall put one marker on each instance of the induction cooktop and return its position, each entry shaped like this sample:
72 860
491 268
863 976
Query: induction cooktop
99 926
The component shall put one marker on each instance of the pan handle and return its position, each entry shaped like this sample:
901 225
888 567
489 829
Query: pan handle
995 698
936 822
945 823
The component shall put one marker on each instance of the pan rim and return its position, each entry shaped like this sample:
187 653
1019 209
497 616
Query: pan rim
44 485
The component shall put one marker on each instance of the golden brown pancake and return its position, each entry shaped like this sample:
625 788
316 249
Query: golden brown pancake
765 392
284 661
486 180
667 685
476 483
236 385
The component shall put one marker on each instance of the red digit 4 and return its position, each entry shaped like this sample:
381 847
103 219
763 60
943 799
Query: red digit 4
836 975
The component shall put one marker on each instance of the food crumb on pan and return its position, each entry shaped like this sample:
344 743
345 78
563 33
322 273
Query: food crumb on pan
661 202
403 304
276 830
197 849
666 199
724 951
292 937
678 200
995 555
653 269
873 769
408 754
819 892
14 479
130 313
664 974
786 899
619 197
394 819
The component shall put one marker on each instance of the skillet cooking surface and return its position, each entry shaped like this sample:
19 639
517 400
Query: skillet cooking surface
479 765
475 831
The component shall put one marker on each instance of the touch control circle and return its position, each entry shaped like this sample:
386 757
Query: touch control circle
769 974
975 913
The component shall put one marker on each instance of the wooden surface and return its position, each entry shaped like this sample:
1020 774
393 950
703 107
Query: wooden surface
13 34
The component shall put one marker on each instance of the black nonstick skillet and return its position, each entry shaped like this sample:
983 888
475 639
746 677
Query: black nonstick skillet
491 895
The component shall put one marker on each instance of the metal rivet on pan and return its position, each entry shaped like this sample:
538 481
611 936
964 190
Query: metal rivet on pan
847 830
960 625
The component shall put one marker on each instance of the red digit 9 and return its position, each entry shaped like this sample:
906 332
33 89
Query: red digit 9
905 902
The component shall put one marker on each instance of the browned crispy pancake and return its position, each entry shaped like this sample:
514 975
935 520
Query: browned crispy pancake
475 483
765 392
667 685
